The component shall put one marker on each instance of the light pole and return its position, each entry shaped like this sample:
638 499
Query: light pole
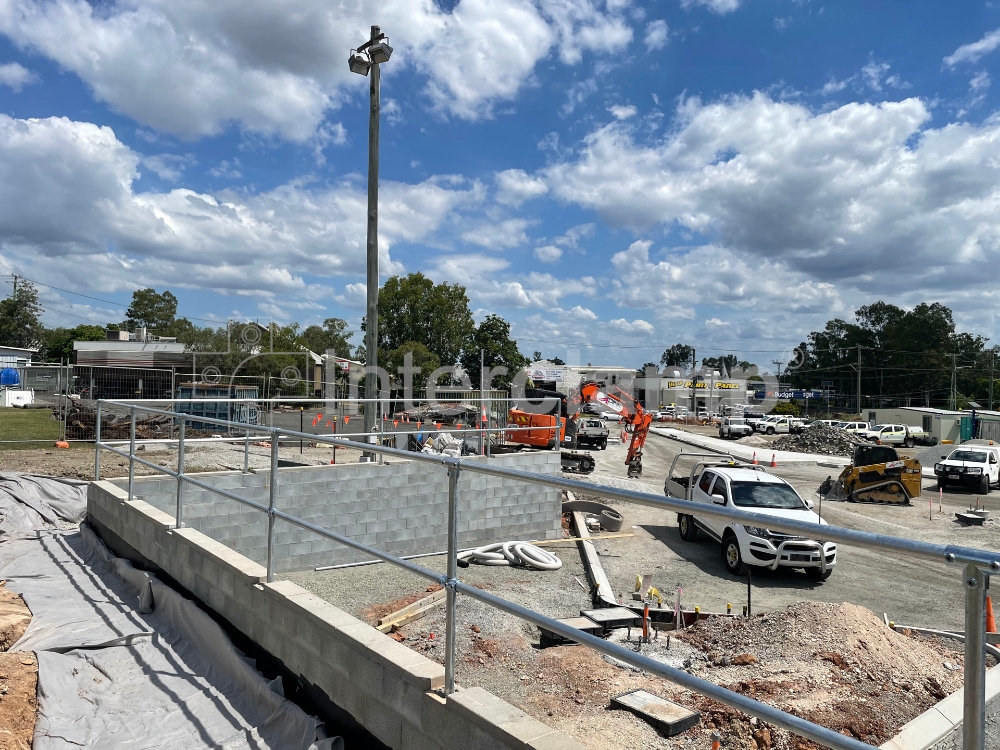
369 57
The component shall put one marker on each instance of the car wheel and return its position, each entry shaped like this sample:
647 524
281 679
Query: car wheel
984 485
817 574
732 556
908 443
770 430
604 445
689 532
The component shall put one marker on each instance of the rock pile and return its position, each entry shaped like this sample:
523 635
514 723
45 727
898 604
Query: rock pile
820 438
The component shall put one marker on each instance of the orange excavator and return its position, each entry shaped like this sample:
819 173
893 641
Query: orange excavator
554 417
635 419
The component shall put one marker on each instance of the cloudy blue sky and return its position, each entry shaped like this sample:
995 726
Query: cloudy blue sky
612 176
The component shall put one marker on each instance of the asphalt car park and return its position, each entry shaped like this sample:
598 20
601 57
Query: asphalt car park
909 590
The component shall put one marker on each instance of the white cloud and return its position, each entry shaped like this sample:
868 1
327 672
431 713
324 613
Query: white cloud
548 253
621 325
973 51
169 167
193 67
577 94
16 76
622 112
504 234
515 186
716 6
226 169
657 34
980 82
840 195
67 203
782 23
833 85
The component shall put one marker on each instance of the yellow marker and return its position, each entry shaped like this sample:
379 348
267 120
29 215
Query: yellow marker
729 608
697 610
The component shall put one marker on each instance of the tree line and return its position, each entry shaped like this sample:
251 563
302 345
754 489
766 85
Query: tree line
432 323
906 357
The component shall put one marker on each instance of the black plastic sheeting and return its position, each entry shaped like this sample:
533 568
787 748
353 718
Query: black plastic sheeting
126 661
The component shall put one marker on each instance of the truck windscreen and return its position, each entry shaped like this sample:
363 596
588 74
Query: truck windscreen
976 457
766 495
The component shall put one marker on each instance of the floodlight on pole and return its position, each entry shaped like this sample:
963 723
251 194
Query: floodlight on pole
367 58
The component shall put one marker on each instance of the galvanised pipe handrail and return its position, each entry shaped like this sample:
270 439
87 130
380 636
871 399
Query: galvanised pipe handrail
978 564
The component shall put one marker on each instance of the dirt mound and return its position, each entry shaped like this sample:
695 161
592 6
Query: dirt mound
835 664
18 675
820 438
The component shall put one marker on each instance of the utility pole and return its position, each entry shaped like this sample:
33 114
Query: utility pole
694 383
954 373
859 380
368 58
993 360
14 282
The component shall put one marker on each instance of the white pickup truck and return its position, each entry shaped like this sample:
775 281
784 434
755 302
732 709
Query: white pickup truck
779 425
894 434
750 488
972 465
734 428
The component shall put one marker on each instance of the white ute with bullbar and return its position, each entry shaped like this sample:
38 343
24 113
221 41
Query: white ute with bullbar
724 481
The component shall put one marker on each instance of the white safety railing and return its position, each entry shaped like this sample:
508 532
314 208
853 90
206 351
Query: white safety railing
976 567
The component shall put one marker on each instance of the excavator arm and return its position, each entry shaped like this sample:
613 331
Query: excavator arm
635 419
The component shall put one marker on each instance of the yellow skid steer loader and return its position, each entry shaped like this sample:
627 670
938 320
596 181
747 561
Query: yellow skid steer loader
876 475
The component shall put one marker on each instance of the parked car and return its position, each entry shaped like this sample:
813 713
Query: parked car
976 466
592 432
854 426
750 488
898 434
732 428
610 416
775 425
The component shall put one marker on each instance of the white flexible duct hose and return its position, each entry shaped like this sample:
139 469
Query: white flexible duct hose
513 553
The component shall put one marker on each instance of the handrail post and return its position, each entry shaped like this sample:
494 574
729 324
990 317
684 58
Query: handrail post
131 453
974 709
270 506
246 454
97 445
179 517
450 626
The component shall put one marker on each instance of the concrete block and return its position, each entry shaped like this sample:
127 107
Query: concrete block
497 718
383 722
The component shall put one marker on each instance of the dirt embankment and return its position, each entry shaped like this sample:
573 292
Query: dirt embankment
18 675
835 664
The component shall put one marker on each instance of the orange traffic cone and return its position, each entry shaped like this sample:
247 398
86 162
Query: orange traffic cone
755 461
991 623
774 463
395 423
347 420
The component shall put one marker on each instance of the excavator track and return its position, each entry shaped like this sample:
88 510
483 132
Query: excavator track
577 462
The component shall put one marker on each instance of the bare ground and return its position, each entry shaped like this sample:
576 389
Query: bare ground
18 676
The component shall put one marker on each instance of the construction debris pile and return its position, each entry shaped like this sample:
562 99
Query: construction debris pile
443 413
444 444
820 438
838 665
81 421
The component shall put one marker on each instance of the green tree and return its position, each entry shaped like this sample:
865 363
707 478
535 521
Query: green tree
20 324
151 310
331 335
492 337
59 341
415 309
536 356
788 407
726 364
678 354
422 359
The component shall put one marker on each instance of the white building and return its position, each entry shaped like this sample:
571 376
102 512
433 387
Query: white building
567 378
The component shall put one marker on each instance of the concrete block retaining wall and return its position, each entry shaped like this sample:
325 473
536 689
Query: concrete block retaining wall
385 686
399 507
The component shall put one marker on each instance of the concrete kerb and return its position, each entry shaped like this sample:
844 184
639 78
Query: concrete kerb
942 720
385 686
745 453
